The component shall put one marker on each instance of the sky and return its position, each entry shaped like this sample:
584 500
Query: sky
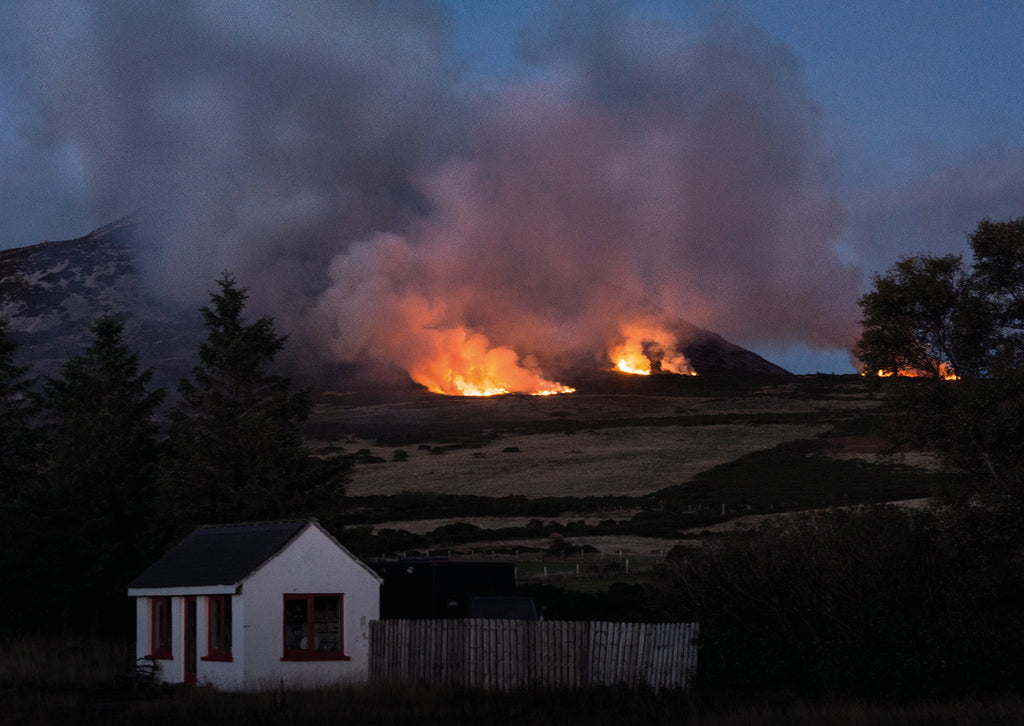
529 180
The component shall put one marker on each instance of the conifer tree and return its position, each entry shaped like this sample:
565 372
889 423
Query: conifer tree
236 451
20 457
19 452
93 505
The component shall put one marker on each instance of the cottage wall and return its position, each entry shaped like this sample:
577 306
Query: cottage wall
311 564
142 627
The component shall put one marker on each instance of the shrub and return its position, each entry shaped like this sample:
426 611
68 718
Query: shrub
878 602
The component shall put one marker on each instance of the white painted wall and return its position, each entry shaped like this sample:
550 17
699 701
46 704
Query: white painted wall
313 563
141 627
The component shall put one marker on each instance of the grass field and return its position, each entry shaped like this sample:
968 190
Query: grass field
626 460
727 447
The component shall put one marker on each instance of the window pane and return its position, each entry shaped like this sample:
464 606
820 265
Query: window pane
296 624
220 624
158 624
216 605
162 618
327 616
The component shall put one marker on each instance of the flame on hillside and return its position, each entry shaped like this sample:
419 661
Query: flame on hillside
643 347
945 371
462 363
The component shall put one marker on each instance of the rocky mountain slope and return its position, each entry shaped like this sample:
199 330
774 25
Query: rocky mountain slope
51 292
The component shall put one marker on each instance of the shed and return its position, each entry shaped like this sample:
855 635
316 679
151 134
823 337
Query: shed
257 605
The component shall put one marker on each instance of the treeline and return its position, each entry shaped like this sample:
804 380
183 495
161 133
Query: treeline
93 488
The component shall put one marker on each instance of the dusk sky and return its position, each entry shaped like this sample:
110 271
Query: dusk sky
538 173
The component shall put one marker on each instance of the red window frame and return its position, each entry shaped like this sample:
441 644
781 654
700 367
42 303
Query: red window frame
160 630
218 628
311 649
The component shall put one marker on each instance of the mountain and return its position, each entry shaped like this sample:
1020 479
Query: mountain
51 292
710 353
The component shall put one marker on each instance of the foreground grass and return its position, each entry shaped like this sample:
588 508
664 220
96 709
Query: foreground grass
411 706
59 681
39 661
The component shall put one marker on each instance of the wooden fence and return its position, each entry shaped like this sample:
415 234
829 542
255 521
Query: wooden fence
510 654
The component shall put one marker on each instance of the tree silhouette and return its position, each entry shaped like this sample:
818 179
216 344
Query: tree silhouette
927 311
20 463
19 453
236 450
93 504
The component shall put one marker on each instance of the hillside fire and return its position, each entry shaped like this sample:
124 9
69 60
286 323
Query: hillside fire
647 347
462 363
943 370
466 364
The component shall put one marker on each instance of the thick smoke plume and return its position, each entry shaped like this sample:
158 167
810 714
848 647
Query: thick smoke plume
336 159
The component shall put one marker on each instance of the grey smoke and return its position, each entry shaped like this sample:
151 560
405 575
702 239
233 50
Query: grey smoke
337 159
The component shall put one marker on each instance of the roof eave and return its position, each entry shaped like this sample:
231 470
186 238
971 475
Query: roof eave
184 590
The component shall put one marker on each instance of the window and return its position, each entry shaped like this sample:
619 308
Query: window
218 642
313 628
160 628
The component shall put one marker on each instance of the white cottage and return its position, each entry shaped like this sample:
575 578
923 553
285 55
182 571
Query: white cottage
256 605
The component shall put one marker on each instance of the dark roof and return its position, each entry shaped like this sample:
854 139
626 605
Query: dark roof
221 554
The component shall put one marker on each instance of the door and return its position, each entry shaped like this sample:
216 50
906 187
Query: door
190 640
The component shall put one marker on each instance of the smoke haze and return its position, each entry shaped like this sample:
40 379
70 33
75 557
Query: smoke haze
338 159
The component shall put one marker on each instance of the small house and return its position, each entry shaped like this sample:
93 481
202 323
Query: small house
257 605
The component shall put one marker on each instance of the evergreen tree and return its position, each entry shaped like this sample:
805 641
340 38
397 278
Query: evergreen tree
236 448
19 453
20 456
93 507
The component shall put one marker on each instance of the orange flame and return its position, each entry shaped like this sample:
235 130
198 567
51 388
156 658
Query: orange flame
629 358
946 372
645 344
465 364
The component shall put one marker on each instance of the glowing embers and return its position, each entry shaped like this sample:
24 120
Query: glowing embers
461 363
645 348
